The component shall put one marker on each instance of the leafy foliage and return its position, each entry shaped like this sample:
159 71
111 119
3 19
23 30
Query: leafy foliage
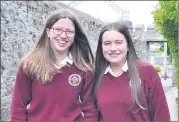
157 68
166 21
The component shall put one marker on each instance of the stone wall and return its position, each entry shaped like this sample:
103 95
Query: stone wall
21 25
141 49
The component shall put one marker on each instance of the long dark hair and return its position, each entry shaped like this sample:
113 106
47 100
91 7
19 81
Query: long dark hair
101 64
39 62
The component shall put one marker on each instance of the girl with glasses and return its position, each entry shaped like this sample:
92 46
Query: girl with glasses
54 77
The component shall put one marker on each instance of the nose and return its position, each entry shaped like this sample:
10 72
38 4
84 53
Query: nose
63 35
113 47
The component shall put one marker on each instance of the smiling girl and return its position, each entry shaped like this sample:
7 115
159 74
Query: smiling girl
124 87
54 77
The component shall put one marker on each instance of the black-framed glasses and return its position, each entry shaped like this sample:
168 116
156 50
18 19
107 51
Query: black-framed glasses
68 33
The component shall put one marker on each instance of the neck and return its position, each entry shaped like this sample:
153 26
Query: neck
60 56
117 67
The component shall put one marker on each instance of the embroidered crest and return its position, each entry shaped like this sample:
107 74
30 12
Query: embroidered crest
74 79
131 84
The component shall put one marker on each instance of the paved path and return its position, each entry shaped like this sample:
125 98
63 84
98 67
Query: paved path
171 93
167 84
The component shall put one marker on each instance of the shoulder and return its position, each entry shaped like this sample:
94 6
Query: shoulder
146 70
142 63
145 66
23 65
20 69
22 76
148 74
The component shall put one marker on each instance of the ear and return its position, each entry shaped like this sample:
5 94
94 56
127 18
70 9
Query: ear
48 32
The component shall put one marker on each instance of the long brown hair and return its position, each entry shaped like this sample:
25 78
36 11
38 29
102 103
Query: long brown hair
101 64
39 62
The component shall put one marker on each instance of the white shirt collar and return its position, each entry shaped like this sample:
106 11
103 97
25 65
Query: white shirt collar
68 59
124 68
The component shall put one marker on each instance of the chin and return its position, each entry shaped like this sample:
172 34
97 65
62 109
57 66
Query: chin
114 62
61 49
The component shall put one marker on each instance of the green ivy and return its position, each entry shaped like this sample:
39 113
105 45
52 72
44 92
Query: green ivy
166 21
176 100
176 70
157 68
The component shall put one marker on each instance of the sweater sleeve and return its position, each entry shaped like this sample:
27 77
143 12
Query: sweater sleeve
158 106
88 108
21 96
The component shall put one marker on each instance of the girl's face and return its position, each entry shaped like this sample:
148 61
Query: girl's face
62 35
114 46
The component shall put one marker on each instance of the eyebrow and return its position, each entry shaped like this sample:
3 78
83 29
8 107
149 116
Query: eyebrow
106 41
119 40
63 28
70 29
112 40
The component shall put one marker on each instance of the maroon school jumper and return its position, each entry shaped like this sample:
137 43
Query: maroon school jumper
58 100
114 97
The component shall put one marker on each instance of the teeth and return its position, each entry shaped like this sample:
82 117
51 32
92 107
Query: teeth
61 42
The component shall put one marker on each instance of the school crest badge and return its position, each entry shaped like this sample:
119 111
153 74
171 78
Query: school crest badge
74 79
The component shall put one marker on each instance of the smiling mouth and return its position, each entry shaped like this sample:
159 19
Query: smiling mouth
61 42
114 54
